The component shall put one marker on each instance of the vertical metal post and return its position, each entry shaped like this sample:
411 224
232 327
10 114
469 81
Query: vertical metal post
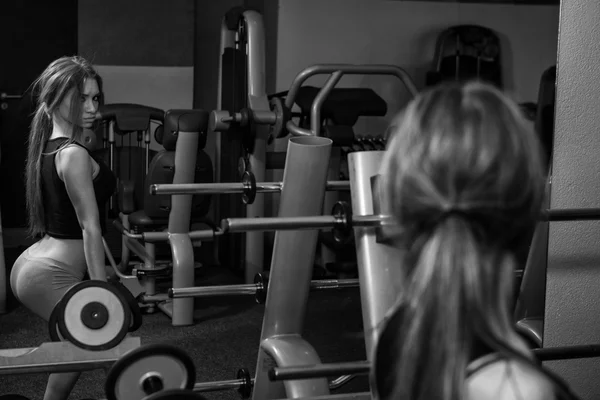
179 225
257 101
2 272
303 192
331 197
379 270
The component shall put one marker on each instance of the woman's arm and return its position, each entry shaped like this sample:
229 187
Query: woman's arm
74 167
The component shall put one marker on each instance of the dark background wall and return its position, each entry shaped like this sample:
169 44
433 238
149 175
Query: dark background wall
137 32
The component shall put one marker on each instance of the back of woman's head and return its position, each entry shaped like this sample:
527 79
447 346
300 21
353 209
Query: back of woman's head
63 77
465 148
464 178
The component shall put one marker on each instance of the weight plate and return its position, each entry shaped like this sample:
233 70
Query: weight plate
134 306
245 390
261 280
53 325
278 129
94 315
148 368
176 394
249 183
343 234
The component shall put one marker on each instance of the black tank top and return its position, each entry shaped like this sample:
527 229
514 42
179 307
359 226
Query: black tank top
60 217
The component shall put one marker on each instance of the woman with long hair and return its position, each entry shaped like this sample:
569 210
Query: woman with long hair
65 190
464 178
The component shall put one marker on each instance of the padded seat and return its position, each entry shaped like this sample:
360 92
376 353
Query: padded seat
155 210
141 222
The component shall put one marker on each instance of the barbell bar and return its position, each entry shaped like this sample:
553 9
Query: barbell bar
341 221
244 384
364 367
232 188
258 288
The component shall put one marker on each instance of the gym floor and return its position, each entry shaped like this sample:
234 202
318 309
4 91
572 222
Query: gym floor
224 338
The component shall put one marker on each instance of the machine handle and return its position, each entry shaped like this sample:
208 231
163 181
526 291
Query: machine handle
336 71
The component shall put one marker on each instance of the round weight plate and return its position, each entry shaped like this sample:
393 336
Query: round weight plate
245 389
53 325
94 326
278 129
154 365
249 182
343 234
261 280
176 394
134 306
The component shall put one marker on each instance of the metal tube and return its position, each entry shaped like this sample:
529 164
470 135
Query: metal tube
304 179
318 371
567 352
381 274
258 102
252 288
232 225
341 381
218 386
232 188
572 214
315 109
154 298
182 249
213 291
351 70
334 284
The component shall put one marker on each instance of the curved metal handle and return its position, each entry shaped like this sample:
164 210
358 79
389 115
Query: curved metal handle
337 71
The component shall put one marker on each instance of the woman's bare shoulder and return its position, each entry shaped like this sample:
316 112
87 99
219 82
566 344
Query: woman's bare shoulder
505 379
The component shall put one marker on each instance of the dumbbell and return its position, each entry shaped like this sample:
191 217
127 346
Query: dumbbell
94 315
156 370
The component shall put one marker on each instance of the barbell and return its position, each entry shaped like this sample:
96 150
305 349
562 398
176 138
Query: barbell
248 188
341 221
364 367
258 288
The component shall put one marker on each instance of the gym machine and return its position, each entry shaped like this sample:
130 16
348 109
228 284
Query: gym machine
185 133
241 147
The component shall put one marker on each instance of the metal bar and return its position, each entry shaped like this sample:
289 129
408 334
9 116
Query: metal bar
572 214
218 386
253 288
232 225
349 69
567 352
334 284
319 371
364 367
232 188
340 381
315 109
213 291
